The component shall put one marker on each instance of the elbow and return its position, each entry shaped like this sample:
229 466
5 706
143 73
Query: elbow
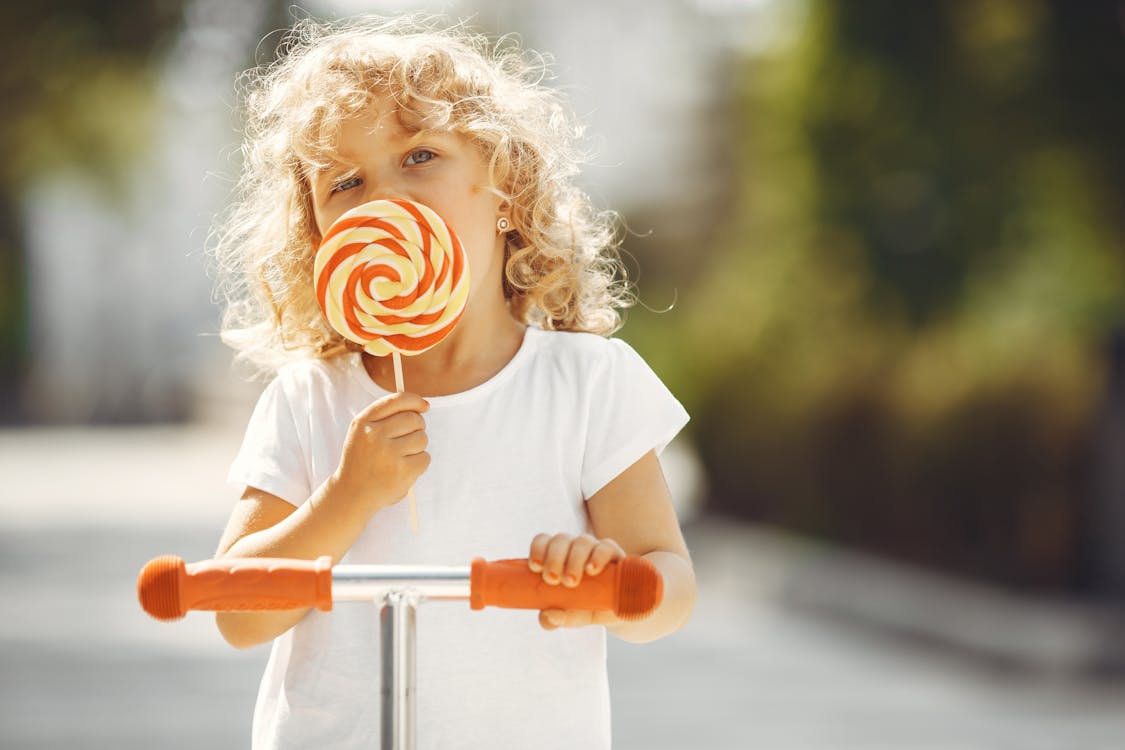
234 631
672 614
680 587
689 605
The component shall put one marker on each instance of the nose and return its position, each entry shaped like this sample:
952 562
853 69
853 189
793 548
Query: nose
384 189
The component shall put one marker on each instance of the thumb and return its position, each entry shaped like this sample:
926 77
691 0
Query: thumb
551 619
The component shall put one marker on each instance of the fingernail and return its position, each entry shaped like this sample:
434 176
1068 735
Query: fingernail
570 580
591 568
551 577
535 565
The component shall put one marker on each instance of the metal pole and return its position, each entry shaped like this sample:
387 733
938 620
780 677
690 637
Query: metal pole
372 583
397 630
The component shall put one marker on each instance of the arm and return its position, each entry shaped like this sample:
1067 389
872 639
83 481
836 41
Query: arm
384 453
635 510
264 525
633 514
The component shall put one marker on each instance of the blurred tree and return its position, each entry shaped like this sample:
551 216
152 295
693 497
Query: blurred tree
76 86
899 339
80 91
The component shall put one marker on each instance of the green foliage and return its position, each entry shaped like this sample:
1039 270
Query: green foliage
899 339
76 88
76 79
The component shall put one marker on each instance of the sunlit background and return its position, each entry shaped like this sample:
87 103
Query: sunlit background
880 252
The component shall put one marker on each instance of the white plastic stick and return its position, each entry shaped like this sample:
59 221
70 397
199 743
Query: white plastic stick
397 358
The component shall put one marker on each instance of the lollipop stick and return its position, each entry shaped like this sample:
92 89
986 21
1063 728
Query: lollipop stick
397 359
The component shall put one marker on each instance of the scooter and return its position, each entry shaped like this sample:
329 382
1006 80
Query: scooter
168 588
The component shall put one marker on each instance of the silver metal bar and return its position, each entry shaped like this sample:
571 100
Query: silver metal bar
375 582
399 589
397 632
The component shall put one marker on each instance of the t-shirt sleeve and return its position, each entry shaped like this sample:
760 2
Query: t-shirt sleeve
631 413
272 456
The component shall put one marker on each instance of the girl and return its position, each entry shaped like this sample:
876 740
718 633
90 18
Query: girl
526 432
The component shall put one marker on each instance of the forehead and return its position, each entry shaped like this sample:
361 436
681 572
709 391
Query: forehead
379 119
380 124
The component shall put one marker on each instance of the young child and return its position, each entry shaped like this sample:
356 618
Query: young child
527 432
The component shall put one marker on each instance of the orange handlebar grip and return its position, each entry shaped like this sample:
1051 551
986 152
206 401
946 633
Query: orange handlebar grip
631 587
168 588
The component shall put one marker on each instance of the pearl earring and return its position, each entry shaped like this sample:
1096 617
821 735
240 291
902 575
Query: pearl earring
503 224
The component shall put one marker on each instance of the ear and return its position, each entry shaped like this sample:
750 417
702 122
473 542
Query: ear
504 218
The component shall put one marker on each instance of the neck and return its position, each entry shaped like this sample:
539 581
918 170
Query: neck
479 346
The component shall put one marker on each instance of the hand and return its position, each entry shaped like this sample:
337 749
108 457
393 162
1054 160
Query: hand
385 450
563 560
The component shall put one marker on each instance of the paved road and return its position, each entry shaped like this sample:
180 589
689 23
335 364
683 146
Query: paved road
84 668
780 655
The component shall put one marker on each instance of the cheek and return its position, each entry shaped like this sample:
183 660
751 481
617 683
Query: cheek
321 222
483 246
486 258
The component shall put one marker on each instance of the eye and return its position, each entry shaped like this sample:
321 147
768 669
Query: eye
346 184
420 156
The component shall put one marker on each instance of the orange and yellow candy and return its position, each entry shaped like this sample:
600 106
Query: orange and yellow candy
392 276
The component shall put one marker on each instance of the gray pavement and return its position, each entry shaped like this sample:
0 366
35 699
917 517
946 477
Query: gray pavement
791 646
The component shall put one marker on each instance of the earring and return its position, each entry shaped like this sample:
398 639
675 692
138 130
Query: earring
503 224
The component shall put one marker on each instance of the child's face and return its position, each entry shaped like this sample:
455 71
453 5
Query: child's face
438 168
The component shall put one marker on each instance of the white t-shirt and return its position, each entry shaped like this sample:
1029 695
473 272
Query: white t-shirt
511 458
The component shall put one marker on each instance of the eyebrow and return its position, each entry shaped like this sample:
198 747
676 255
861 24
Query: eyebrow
338 165
427 134
335 165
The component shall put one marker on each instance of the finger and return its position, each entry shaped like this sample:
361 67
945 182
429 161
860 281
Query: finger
409 445
552 619
403 423
580 551
555 557
578 618
604 617
605 551
418 463
392 404
538 552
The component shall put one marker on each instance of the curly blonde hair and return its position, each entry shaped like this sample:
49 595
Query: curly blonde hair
561 272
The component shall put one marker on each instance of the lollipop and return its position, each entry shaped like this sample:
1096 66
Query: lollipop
392 276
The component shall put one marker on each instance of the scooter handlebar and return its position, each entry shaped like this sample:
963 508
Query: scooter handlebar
168 588
630 587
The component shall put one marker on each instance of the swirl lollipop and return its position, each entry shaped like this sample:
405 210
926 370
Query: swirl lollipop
392 276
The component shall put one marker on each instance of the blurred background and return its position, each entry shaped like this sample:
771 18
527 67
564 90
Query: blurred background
880 252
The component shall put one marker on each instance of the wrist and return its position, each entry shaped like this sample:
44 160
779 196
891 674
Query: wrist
343 492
